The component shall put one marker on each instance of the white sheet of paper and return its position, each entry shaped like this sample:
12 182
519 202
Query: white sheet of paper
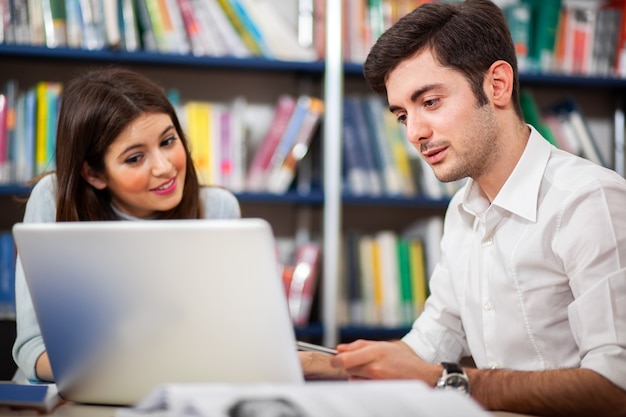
312 399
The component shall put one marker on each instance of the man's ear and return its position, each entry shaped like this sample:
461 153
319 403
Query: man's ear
500 76
96 180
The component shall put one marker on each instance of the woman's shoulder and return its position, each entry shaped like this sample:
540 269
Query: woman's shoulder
219 203
41 205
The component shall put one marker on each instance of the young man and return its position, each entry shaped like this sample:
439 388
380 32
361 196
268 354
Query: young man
532 279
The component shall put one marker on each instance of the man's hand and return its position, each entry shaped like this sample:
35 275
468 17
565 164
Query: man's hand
383 360
317 365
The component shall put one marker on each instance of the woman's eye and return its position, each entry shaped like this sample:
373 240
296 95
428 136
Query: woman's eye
401 118
133 159
168 140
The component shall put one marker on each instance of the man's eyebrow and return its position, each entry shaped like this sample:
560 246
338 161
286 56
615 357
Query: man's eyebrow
416 94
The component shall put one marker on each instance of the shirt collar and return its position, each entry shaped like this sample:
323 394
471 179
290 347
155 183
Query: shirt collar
520 192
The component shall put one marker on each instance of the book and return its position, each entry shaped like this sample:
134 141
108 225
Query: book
167 26
4 142
389 275
218 26
417 271
571 117
7 276
355 120
396 136
7 170
73 22
23 153
112 25
543 37
620 144
288 137
620 47
42 398
36 25
406 305
130 36
355 166
352 274
303 284
54 23
391 177
200 43
245 27
234 127
260 164
47 101
294 147
146 28
563 134
93 24
429 231
519 18
532 115
376 275
366 252
197 116
16 24
276 31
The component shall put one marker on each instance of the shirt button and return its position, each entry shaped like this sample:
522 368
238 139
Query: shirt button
495 365
488 305
488 241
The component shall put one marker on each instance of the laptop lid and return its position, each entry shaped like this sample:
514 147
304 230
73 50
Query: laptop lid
124 306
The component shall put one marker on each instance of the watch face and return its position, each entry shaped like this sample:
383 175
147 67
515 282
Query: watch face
457 381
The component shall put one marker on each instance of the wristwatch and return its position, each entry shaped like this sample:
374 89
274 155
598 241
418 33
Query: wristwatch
454 377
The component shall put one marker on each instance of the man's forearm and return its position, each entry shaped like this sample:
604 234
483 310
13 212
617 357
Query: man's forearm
564 392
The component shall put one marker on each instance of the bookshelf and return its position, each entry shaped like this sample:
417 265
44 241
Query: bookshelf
327 211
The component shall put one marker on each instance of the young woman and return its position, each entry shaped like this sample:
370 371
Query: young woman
121 154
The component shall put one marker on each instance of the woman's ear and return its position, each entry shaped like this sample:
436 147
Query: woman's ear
96 180
501 78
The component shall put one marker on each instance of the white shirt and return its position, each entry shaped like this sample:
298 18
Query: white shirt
535 280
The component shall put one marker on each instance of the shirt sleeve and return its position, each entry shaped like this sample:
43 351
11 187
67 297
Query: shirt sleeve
592 244
28 346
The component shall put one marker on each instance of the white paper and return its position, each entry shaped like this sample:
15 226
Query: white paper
312 399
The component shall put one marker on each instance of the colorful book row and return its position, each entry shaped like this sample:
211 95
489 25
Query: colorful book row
581 38
219 135
379 159
238 28
386 274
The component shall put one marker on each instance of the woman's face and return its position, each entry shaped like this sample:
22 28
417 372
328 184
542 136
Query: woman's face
145 167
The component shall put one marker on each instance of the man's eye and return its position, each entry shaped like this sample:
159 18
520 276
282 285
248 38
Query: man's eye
431 103
401 119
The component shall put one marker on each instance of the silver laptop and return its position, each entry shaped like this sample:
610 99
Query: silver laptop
125 306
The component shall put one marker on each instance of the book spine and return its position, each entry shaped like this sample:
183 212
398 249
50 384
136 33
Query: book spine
197 115
259 167
303 283
355 168
7 276
284 172
239 24
4 142
355 110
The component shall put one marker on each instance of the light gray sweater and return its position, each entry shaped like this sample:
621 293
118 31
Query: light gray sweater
40 208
